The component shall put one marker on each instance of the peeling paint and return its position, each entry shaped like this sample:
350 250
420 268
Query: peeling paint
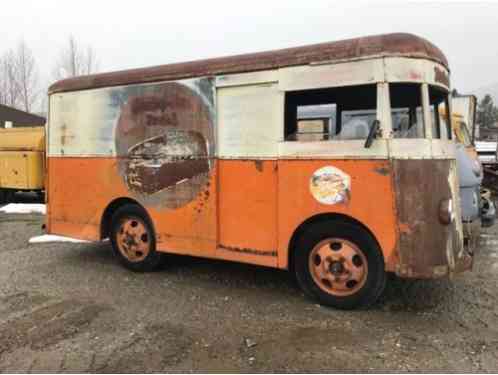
249 251
441 76
405 228
383 171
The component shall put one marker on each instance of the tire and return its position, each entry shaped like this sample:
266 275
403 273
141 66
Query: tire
6 196
133 239
339 264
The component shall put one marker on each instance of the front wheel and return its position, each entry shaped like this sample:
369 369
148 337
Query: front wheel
133 239
339 264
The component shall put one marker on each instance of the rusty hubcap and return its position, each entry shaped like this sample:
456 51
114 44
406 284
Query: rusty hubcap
338 267
133 239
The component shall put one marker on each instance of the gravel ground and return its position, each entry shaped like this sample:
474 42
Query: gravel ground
68 307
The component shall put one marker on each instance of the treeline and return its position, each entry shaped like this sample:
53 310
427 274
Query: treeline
21 85
487 112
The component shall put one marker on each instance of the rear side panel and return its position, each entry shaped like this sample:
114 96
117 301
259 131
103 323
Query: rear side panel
427 248
150 143
23 170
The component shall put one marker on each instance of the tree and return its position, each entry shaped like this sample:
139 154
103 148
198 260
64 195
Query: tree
26 75
487 112
75 60
9 89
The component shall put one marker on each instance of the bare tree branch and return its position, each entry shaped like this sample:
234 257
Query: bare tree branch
75 60
26 76
9 88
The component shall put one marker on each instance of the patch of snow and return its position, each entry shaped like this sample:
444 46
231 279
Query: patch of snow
53 238
24 208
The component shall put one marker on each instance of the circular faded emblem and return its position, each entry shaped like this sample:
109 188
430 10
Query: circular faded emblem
330 185
163 142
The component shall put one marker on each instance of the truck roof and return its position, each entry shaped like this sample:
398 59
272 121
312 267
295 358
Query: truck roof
397 44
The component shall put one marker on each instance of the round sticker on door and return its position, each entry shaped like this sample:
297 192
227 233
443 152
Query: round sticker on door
330 185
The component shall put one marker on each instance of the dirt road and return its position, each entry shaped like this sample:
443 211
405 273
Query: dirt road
72 307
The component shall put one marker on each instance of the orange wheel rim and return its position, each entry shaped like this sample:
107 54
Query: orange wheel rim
133 239
338 267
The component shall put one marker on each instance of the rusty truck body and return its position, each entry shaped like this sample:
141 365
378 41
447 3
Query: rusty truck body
208 158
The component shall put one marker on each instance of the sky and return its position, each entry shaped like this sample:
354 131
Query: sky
129 34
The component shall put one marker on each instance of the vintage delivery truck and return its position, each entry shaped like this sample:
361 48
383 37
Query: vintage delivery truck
22 161
208 158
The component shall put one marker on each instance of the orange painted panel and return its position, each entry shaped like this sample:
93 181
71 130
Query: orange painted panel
370 199
248 210
247 213
81 188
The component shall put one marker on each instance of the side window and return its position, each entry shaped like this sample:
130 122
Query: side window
315 122
441 125
340 113
406 110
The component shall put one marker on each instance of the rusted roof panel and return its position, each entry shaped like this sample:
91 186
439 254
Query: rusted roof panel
379 45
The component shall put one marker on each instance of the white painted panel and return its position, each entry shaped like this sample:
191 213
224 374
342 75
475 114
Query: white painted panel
410 148
81 124
443 149
351 149
401 69
253 78
332 75
250 121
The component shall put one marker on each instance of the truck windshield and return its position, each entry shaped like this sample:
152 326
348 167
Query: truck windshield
441 126
406 110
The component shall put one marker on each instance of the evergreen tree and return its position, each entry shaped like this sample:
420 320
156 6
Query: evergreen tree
487 112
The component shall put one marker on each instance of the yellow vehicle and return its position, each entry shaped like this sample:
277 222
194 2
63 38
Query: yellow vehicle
22 160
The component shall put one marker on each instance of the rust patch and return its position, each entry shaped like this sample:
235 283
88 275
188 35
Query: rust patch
259 165
405 228
441 76
249 251
64 136
383 171
426 246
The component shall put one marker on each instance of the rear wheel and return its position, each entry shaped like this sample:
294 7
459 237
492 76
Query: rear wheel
339 264
6 195
133 239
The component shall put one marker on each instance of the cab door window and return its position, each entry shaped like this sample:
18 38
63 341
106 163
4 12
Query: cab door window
406 110
441 125
339 113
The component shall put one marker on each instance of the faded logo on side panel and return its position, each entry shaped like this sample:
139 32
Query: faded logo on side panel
165 141
330 185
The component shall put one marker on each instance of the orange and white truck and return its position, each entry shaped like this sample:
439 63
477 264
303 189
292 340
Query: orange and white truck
208 158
